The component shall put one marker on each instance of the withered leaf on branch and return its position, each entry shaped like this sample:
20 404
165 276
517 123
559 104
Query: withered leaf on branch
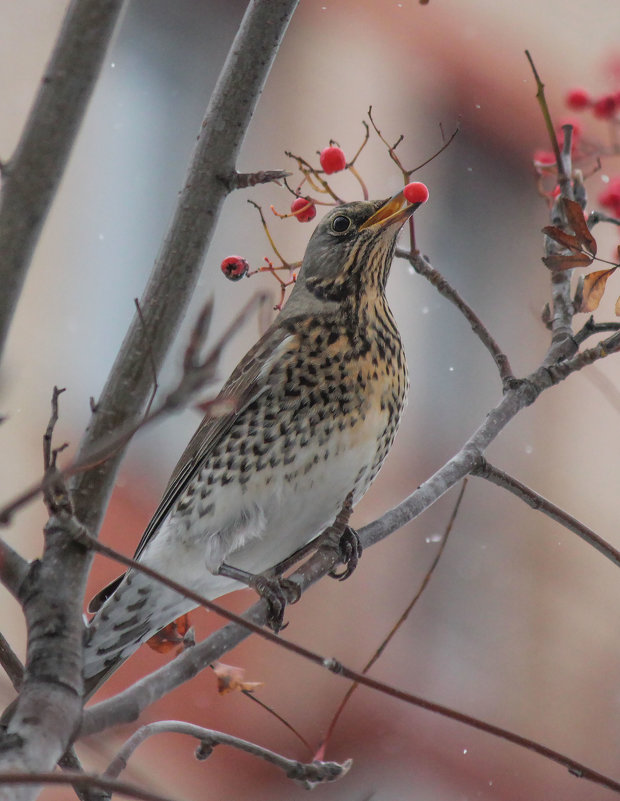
577 221
593 289
557 261
230 679
569 241
171 637
618 308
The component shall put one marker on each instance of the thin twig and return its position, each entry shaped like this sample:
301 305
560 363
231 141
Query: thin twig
423 267
540 96
403 617
309 774
445 145
127 705
83 780
195 378
271 711
536 501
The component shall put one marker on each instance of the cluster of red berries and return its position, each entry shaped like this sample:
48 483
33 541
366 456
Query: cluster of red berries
604 107
332 160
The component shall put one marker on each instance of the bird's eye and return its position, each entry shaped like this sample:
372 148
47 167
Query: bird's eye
340 224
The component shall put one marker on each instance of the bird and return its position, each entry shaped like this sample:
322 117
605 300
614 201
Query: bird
317 402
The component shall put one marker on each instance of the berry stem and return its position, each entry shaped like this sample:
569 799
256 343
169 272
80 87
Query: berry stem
354 172
362 146
266 230
309 171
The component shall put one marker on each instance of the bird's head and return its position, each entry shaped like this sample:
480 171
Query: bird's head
351 250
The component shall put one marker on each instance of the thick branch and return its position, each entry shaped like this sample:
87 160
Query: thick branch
13 569
11 664
49 708
32 175
179 262
128 705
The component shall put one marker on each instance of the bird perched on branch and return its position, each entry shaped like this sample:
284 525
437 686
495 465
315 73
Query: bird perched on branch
317 403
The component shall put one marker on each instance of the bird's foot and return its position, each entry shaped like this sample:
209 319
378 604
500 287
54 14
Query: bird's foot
276 592
349 550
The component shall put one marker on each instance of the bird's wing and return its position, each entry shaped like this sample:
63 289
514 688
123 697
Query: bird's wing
248 381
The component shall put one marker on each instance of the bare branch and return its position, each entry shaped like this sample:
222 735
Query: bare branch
32 175
196 376
178 264
536 501
13 569
53 682
309 774
11 663
423 267
243 180
127 705
403 617
82 780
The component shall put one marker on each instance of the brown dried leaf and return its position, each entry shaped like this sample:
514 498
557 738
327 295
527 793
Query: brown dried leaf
593 289
230 679
559 262
618 308
558 235
171 636
577 221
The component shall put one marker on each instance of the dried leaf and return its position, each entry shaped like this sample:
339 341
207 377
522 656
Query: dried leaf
230 679
577 221
171 636
618 308
559 262
593 289
558 235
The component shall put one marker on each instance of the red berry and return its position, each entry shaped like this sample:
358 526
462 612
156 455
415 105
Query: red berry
416 192
605 107
578 99
304 209
234 267
332 159
544 158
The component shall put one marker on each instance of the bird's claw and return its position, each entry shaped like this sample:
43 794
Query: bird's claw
349 552
276 592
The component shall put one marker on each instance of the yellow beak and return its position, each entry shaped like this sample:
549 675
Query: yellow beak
395 210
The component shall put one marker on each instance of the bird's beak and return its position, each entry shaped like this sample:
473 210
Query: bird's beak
395 210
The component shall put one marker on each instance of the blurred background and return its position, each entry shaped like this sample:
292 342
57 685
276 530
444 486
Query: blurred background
518 625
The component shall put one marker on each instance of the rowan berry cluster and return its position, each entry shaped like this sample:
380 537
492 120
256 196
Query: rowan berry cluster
303 208
604 107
